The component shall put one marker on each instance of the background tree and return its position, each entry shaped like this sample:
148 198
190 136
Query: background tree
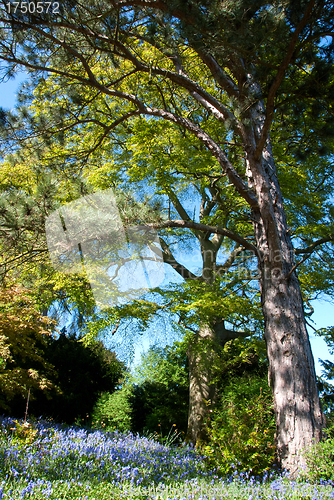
241 425
23 336
237 63
161 391
153 399
81 374
113 410
62 376
218 262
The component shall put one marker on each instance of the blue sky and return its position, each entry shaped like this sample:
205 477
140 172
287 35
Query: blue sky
323 310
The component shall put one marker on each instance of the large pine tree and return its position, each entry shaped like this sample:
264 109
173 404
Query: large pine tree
235 62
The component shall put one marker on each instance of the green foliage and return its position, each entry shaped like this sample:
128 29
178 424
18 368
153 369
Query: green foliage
326 392
154 400
163 365
197 490
196 64
325 383
158 408
114 411
242 426
152 155
82 373
319 460
65 376
161 391
23 338
71 491
23 433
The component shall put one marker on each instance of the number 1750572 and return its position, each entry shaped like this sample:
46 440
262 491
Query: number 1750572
33 7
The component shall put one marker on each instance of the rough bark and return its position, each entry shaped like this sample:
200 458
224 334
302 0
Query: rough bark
292 375
201 388
202 352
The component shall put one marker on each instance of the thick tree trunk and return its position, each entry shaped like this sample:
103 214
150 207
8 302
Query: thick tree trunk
291 367
292 376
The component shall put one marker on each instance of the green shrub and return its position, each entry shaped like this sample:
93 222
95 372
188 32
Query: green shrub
161 392
319 461
153 401
242 428
113 411
82 373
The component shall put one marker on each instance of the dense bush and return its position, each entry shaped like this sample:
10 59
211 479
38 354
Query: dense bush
113 410
325 383
154 399
242 425
319 461
158 407
82 374
62 376
79 375
161 391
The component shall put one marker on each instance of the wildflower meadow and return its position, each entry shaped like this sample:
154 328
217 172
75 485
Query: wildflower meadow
41 460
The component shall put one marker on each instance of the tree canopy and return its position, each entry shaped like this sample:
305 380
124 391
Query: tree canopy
239 98
23 335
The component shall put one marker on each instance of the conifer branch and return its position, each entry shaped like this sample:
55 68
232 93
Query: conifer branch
270 105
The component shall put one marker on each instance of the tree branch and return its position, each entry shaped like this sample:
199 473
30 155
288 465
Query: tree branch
220 76
224 335
230 260
209 102
308 251
113 125
208 229
206 206
270 108
179 77
216 151
297 265
177 204
179 268
67 47
310 248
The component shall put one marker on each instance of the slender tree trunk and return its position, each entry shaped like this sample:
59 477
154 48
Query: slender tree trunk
203 352
201 388
298 414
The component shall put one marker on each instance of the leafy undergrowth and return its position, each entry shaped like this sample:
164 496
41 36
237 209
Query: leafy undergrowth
40 460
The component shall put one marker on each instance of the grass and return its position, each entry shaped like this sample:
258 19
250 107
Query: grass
40 460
